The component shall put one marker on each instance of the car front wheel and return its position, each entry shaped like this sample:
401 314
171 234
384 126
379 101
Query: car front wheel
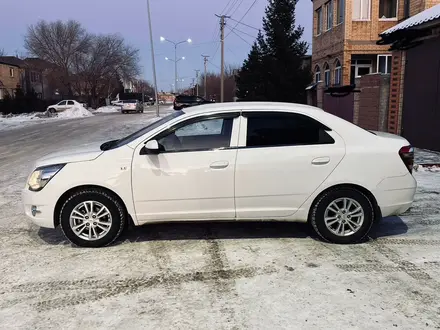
92 218
342 215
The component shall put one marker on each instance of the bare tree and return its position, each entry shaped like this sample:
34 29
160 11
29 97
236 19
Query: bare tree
108 58
58 43
2 52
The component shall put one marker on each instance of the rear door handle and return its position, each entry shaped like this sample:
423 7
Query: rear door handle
321 161
219 165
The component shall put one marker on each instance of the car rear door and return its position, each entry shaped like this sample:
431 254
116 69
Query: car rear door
282 159
192 178
70 104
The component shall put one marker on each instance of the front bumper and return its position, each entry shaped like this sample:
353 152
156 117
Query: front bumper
38 207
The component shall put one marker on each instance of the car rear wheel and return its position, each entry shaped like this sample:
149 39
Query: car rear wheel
92 218
342 216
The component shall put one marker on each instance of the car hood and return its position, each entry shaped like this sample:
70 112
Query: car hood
71 155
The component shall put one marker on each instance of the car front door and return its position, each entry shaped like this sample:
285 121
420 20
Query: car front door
192 176
61 106
283 158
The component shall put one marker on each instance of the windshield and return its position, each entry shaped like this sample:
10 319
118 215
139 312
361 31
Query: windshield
137 134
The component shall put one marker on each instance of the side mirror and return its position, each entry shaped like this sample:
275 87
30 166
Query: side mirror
151 147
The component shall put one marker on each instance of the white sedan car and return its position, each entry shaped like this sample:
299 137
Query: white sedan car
227 161
64 105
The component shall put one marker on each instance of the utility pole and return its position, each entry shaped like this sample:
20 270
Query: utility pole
222 66
205 60
152 58
197 82
193 89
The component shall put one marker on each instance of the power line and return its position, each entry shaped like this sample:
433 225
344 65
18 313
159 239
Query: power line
214 64
240 37
230 8
241 2
249 26
247 11
250 35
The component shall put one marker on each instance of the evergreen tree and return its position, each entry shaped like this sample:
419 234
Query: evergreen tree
273 70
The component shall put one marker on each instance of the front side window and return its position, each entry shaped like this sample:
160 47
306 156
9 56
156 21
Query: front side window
62 103
204 134
284 129
361 9
387 9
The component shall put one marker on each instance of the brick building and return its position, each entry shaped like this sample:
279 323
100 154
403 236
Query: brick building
345 35
11 75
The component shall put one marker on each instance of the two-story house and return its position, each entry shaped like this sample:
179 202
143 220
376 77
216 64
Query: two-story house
345 35
11 75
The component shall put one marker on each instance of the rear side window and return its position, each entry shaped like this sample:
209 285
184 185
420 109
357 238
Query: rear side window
70 103
284 129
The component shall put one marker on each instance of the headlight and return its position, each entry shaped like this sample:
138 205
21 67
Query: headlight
42 175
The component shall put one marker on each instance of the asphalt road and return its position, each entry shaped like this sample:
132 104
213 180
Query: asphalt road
209 275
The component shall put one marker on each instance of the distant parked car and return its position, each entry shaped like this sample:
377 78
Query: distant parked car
131 106
64 105
235 161
185 101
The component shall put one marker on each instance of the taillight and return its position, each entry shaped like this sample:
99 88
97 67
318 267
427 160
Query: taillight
407 155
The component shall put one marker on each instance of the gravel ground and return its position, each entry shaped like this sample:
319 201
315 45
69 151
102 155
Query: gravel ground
209 275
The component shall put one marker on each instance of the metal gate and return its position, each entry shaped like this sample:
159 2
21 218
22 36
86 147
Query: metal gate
341 106
421 101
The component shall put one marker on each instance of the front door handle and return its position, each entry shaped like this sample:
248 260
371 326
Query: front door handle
321 161
219 165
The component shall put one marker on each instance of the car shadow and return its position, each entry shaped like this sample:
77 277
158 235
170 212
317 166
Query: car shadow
391 226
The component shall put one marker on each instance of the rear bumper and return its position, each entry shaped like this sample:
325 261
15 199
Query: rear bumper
395 195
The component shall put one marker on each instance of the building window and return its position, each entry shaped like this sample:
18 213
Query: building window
11 72
361 9
340 10
360 68
384 63
338 73
387 9
317 74
329 12
326 75
318 21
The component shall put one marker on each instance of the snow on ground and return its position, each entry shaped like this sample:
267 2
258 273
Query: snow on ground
108 109
9 122
253 275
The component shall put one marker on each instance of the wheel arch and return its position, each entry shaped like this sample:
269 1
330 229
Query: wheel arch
365 191
71 191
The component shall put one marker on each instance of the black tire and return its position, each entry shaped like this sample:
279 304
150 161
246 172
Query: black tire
114 206
52 110
320 206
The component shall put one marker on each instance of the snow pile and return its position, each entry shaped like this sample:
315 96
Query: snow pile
108 109
77 111
426 168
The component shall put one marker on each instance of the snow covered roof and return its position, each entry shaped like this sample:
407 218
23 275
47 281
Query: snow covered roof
423 17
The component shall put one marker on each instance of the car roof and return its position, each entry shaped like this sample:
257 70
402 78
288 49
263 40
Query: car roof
254 106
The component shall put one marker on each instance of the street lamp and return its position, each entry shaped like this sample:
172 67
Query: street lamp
162 39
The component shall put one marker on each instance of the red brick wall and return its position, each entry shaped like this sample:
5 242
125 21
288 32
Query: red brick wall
369 102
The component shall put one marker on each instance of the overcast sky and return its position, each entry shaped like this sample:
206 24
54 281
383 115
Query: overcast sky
174 19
